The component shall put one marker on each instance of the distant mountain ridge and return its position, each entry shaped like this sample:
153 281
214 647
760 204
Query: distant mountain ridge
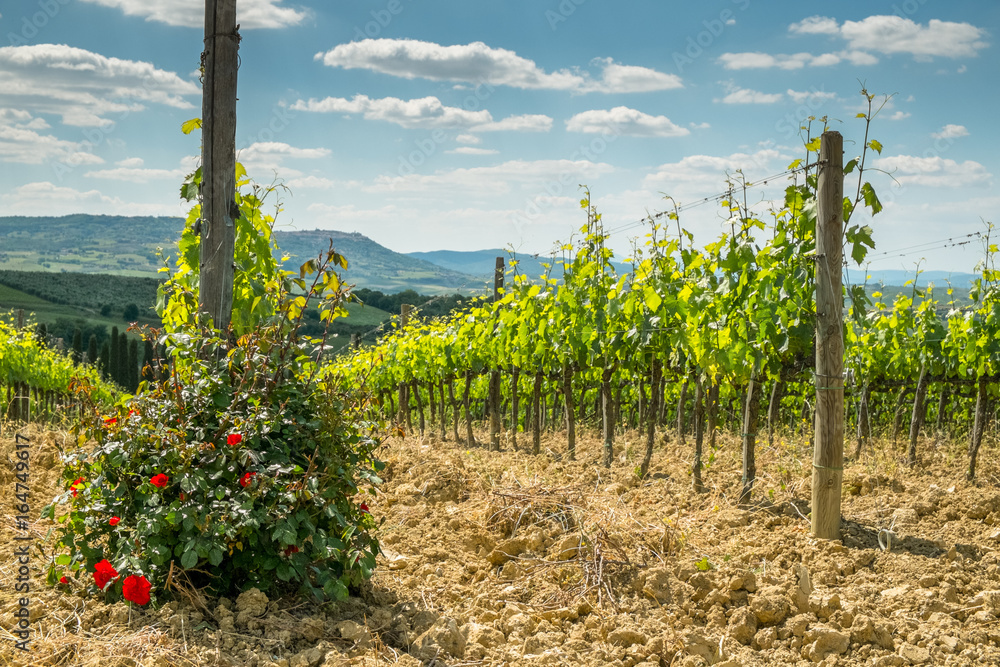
122 245
126 245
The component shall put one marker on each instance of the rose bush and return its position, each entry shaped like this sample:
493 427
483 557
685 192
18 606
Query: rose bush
241 463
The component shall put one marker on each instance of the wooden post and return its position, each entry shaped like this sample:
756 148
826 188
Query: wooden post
699 433
917 417
750 438
494 387
978 426
20 319
828 453
355 341
403 389
218 160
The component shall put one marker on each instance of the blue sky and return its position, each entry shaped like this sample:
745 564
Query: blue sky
470 125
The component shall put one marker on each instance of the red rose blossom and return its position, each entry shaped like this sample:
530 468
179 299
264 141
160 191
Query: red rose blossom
113 521
291 550
77 484
234 439
247 478
364 508
104 572
110 421
136 589
63 580
159 481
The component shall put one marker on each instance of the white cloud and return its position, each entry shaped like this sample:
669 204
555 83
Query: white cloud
951 132
45 198
481 65
471 150
895 34
624 121
802 96
815 25
269 156
494 180
934 172
468 139
900 115
131 170
191 13
709 171
890 34
20 143
84 87
319 183
747 96
523 123
426 112
700 126
758 60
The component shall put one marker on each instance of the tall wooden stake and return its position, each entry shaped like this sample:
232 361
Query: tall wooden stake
828 453
403 389
218 159
494 388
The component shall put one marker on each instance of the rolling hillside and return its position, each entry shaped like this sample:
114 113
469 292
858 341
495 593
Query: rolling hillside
127 246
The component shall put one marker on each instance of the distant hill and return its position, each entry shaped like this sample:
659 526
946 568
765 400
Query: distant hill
120 245
127 246
482 262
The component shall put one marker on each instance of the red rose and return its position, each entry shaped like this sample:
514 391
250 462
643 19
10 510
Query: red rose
63 580
136 589
291 550
234 439
247 478
114 521
132 412
364 508
110 421
77 484
159 481
104 572
183 496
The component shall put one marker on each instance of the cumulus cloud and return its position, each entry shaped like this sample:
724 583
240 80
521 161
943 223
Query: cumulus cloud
191 13
885 34
469 139
131 170
20 142
802 96
895 34
951 132
84 88
45 198
477 63
495 180
264 156
708 171
935 172
747 96
426 113
815 25
471 150
626 121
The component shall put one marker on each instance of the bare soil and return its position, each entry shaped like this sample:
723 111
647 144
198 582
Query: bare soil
513 559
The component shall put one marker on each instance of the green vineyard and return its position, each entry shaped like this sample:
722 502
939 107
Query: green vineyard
723 335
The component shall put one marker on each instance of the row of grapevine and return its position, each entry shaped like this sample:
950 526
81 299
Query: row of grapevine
36 380
708 327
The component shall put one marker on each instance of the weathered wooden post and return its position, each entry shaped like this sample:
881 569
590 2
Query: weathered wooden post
828 453
494 389
218 161
404 398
